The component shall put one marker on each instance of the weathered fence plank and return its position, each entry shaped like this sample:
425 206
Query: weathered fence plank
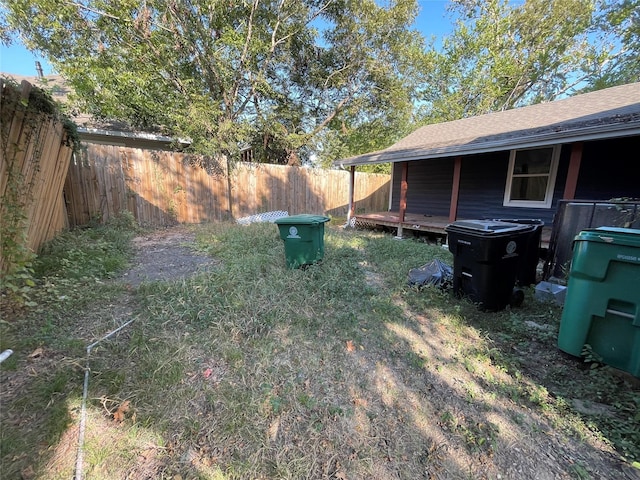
163 188
34 158
55 189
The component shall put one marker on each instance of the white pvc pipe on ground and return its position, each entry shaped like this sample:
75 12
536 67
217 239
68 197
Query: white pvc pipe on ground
83 412
6 354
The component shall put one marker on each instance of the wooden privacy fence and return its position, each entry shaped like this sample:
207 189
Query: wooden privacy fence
162 188
35 154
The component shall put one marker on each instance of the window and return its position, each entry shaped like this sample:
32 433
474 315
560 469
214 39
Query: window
531 177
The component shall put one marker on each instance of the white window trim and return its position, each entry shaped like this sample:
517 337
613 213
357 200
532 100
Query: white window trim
548 197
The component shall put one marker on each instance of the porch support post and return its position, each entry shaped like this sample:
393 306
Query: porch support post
352 182
574 169
403 197
455 189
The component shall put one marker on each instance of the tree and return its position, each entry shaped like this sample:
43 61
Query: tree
503 55
618 25
275 75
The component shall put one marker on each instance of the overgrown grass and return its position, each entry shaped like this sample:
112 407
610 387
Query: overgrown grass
91 253
252 370
49 339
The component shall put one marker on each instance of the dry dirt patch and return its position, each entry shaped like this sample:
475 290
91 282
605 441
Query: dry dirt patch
165 255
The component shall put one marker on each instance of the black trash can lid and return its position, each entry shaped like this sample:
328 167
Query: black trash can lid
486 227
524 221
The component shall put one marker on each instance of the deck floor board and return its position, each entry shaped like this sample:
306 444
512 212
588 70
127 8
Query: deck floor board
423 223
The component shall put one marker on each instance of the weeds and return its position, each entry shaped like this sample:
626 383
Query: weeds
47 338
253 370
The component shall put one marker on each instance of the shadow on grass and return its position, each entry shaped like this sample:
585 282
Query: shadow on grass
339 370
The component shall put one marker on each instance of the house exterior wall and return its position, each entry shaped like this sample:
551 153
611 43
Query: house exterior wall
429 190
482 185
608 170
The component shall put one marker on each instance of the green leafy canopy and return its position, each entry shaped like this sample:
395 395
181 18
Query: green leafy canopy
505 54
228 73
324 79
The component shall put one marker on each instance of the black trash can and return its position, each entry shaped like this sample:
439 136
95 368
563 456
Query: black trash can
486 256
528 263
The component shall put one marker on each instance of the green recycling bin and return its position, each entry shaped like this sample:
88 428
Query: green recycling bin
303 237
602 304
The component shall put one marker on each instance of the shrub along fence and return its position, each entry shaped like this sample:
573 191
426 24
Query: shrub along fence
163 188
35 153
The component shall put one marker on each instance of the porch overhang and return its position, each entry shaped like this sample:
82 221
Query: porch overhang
493 144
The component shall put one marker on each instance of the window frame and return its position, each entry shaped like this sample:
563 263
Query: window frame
553 170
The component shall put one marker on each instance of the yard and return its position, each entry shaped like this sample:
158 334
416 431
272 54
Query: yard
234 367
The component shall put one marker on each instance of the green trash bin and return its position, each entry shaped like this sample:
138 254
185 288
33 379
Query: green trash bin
303 237
602 305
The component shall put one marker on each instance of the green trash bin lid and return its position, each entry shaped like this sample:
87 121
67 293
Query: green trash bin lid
302 219
615 235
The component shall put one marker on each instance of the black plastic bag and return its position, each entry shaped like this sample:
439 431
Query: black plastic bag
435 273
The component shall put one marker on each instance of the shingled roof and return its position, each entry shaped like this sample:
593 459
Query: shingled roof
607 113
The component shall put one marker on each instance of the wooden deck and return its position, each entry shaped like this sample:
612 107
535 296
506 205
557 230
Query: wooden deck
422 223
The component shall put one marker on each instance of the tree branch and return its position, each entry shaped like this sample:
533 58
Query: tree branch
245 50
80 6
338 108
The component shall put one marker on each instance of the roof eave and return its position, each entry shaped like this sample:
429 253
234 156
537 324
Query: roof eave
531 141
83 131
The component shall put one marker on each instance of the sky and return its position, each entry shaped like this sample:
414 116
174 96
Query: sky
432 21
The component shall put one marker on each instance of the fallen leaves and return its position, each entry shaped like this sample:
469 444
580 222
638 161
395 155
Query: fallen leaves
36 353
274 428
360 402
214 371
351 347
121 411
